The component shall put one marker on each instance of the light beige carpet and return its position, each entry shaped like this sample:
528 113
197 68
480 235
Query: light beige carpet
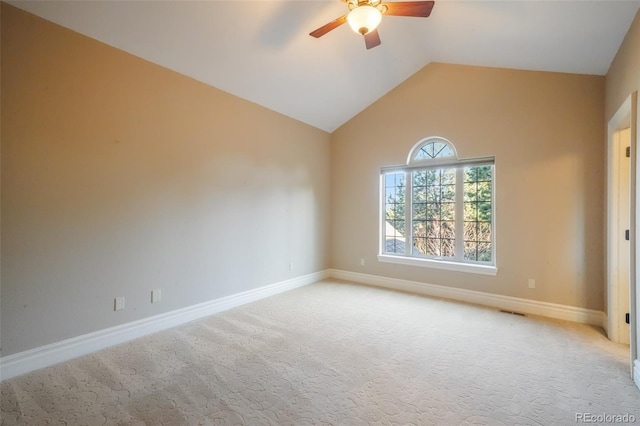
339 354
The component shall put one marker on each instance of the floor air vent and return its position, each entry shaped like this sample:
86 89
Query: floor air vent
512 313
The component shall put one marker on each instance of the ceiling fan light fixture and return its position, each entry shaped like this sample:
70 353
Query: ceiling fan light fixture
364 19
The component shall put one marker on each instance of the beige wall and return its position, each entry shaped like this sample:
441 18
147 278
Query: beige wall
119 176
623 79
623 76
545 131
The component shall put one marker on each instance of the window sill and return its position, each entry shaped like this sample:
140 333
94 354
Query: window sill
440 264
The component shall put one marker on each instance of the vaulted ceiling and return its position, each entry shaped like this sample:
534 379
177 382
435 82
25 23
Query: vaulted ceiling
261 50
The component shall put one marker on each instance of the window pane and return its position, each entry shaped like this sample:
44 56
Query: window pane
394 241
470 231
470 251
395 212
394 184
433 247
471 191
434 198
420 246
447 177
448 247
419 211
419 194
442 150
484 252
394 245
478 213
422 154
434 149
432 229
391 194
484 232
470 174
390 180
448 193
419 237
471 211
484 212
434 239
484 191
485 173
447 211
448 230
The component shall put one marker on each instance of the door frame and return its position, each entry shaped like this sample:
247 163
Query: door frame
623 118
626 116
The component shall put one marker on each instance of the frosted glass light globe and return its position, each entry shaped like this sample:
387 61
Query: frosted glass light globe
364 19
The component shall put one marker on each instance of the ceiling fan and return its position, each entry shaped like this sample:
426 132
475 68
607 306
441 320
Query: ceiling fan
365 15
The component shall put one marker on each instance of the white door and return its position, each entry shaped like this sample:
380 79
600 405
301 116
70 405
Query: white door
622 139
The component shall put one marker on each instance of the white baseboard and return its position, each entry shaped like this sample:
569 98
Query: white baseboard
515 304
44 356
636 372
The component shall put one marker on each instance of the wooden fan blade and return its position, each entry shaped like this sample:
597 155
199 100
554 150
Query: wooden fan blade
328 27
420 9
372 39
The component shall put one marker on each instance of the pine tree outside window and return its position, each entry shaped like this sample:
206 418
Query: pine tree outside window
438 210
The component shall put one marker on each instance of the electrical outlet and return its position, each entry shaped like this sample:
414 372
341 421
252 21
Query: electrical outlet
291 266
156 295
118 303
532 283
362 261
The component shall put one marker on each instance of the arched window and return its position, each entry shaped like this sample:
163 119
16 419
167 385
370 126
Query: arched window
438 210
430 149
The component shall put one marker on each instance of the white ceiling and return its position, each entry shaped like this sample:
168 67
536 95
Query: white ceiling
261 50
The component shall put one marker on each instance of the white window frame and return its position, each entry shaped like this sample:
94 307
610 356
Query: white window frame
408 258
